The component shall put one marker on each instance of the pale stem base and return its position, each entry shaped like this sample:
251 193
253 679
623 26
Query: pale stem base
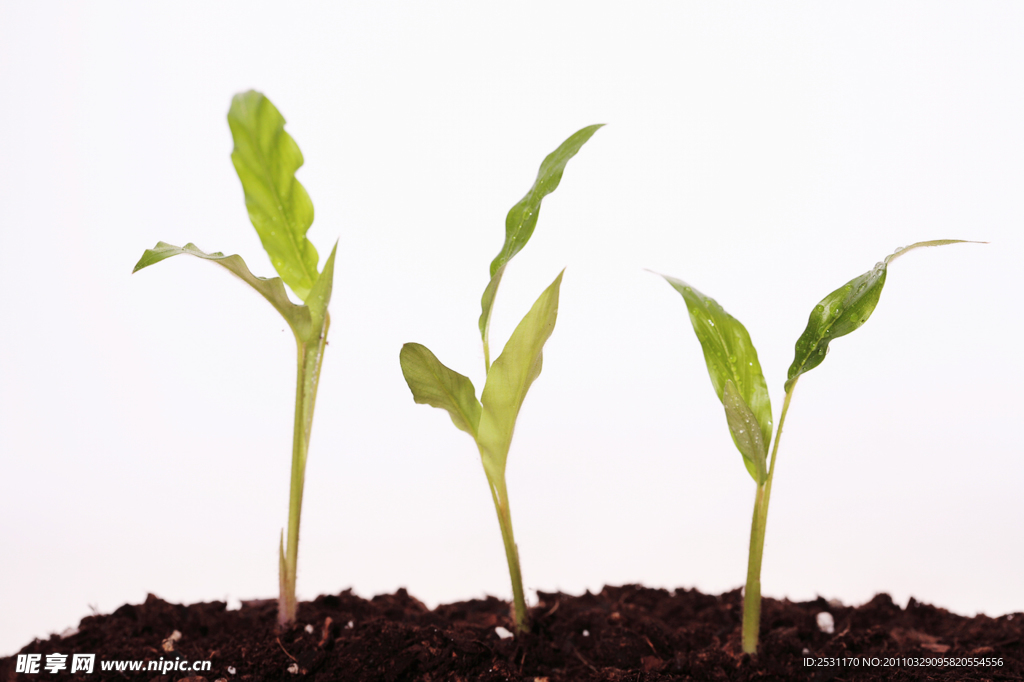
310 358
500 495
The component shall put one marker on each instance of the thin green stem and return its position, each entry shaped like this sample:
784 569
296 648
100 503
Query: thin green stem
500 496
310 360
752 591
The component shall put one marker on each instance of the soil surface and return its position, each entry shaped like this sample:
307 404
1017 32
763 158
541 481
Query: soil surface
627 634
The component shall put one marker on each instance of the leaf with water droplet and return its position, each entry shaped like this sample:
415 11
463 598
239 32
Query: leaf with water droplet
732 359
852 305
522 218
266 159
746 432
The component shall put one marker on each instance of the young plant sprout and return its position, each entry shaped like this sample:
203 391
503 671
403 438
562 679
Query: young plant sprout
491 420
266 158
738 381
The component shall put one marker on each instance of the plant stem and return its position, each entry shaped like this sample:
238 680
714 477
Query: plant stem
310 360
500 495
752 591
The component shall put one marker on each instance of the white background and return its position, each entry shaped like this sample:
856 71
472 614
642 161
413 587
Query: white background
766 154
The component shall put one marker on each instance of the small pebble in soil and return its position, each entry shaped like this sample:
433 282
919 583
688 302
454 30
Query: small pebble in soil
294 668
502 632
349 625
826 623
168 644
231 670
309 629
586 633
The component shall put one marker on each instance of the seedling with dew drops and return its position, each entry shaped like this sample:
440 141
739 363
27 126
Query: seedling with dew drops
491 420
736 376
266 159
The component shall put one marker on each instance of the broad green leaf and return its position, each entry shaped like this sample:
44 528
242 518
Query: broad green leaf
266 158
434 384
730 357
510 377
746 432
272 289
522 218
843 311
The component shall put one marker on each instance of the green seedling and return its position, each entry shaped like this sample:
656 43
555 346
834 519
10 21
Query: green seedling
740 385
266 158
492 419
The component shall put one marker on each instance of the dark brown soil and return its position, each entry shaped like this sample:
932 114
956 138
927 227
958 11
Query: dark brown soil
624 634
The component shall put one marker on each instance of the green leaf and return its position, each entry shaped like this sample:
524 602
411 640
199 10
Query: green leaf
297 316
843 311
266 158
320 295
510 377
522 218
730 357
434 384
746 432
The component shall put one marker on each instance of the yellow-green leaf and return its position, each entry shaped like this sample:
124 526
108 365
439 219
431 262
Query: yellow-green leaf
434 384
266 158
522 218
320 295
510 377
272 289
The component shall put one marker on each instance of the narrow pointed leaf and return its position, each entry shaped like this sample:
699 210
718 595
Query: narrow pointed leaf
282 568
843 311
272 289
434 384
730 357
510 377
746 433
522 218
266 158
320 295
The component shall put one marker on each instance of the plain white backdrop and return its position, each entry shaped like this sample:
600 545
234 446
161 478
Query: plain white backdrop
766 154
